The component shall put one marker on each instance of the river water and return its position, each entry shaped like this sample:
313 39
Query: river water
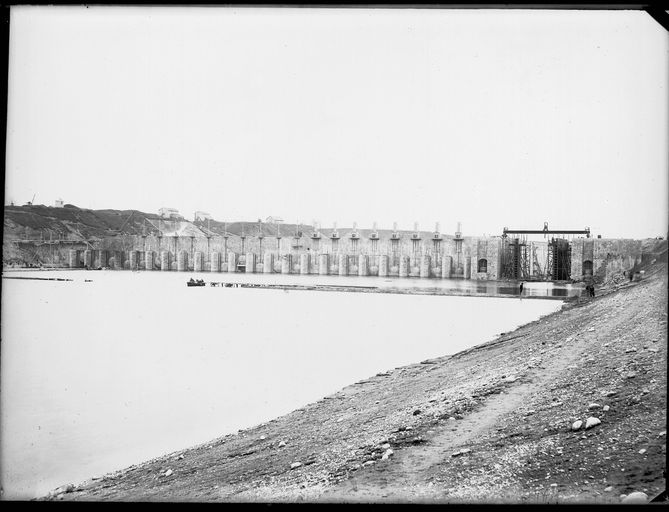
100 375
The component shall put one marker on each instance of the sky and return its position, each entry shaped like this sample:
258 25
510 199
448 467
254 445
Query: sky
492 118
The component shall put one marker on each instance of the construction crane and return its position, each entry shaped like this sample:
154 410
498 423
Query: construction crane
518 264
546 231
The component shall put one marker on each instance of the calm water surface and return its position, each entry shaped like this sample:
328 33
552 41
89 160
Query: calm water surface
96 376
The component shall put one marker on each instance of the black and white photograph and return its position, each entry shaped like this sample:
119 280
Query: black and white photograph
429 245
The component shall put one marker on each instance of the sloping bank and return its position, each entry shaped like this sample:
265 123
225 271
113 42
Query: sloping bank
491 424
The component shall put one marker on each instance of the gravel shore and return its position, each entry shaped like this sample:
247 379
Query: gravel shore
495 423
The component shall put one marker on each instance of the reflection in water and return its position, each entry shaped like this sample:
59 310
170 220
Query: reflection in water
455 286
435 285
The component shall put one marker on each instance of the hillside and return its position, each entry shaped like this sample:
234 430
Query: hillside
35 221
71 221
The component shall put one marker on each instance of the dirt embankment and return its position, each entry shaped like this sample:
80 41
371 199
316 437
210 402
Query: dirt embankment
494 423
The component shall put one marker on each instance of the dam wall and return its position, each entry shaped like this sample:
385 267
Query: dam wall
419 255
602 258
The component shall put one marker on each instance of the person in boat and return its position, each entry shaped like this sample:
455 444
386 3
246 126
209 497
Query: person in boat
191 280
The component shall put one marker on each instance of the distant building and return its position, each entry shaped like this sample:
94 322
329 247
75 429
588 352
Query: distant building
58 203
169 213
202 216
273 220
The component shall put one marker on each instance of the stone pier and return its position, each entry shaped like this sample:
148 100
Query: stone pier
232 262
148 260
268 263
118 259
343 265
285 264
74 258
425 266
304 264
363 265
133 258
323 264
102 258
383 266
446 267
198 262
250 262
215 262
182 261
164 260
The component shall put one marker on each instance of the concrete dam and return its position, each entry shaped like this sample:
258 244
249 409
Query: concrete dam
353 252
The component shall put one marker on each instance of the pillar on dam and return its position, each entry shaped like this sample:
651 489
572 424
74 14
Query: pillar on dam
383 265
182 261
164 260
343 264
133 256
198 263
74 258
468 268
118 259
232 262
404 266
304 263
102 258
215 262
446 267
323 264
588 249
268 263
363 265
285 264
88 258
250 262
148 260
425 265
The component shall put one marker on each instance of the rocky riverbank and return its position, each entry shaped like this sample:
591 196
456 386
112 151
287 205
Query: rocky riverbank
569 408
